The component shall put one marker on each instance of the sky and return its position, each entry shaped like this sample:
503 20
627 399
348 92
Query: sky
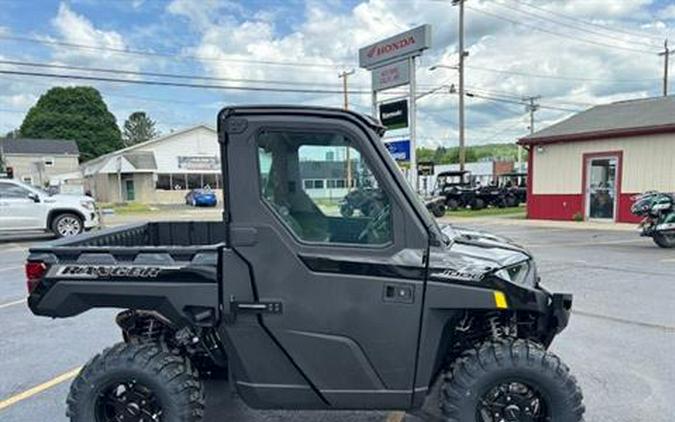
572 54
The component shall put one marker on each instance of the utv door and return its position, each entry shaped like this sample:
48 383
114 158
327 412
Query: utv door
343 292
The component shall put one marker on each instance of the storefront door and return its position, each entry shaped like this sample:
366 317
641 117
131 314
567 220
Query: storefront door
601 175
131 194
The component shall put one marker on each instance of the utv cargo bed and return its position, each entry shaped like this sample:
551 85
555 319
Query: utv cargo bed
169 267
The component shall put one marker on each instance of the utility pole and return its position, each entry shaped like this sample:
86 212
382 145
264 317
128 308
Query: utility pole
460 68
665 53
344 75
531 106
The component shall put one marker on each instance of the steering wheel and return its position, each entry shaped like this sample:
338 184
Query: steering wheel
377 223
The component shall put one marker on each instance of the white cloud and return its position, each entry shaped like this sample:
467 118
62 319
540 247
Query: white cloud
74 28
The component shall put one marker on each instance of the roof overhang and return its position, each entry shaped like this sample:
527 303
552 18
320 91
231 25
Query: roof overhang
600 134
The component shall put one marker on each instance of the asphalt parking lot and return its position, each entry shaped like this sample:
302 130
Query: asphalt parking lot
619 343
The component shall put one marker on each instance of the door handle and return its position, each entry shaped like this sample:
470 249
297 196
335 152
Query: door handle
399 293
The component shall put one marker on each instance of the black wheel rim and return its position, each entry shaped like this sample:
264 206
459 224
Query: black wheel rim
513 401
128 401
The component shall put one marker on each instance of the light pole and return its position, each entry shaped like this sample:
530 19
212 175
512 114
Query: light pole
344 75
462 55
460 67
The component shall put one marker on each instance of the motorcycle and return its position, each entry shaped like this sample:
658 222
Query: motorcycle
658 216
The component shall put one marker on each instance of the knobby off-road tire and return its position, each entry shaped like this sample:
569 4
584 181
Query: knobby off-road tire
172 380
438 210
477 373
664 241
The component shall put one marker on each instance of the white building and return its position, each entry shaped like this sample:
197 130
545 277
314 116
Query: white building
158 171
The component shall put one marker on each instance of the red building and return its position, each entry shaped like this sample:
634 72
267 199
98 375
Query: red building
591 164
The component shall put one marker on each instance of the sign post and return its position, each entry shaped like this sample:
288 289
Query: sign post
413 126
392 63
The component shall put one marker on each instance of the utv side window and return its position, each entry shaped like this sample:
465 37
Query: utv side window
321 186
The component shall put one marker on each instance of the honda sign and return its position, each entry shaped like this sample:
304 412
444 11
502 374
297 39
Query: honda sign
406 44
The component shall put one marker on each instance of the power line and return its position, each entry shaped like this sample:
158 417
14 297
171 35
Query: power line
235 88
487 97
157 74
568 25
558 77
147 53
642 35
499 132
178 84
558 34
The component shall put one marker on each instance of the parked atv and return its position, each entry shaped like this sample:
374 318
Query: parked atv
658 217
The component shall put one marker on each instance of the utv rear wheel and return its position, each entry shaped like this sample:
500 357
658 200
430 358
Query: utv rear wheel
136 382
511 381
664 241
452 204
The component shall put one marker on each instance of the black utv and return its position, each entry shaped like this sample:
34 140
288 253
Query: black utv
514 188
305 308
459 190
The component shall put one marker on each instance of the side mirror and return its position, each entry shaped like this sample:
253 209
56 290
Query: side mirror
34 196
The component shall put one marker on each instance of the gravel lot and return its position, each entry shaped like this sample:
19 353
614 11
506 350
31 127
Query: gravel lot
619 343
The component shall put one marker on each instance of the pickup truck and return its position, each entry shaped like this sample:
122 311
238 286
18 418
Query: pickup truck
28 208
302 307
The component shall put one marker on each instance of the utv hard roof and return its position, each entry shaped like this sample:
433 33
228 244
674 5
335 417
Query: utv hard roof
369 121
453 173
513 174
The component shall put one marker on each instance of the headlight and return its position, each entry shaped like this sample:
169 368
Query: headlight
524 274
88 205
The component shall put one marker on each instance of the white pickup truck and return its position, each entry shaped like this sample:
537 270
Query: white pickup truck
27 208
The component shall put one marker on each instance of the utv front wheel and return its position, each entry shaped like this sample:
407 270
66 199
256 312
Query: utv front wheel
511 381
136 382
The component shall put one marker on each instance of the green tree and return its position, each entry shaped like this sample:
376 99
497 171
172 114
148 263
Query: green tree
138 128
77 113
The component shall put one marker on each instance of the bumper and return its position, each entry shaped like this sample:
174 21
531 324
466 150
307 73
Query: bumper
92 220
559 311
206 202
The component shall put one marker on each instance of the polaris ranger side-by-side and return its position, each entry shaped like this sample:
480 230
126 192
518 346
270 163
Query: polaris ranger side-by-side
304 307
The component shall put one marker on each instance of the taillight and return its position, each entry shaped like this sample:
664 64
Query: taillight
35 270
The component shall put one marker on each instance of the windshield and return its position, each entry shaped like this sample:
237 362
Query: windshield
34 189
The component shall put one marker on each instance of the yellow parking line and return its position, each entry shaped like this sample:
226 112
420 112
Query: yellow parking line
16 302
395 417
39 388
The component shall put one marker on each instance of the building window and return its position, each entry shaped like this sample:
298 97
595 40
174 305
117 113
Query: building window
194 181
27 179
48 161
209 180
163 182
314 183
178 181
